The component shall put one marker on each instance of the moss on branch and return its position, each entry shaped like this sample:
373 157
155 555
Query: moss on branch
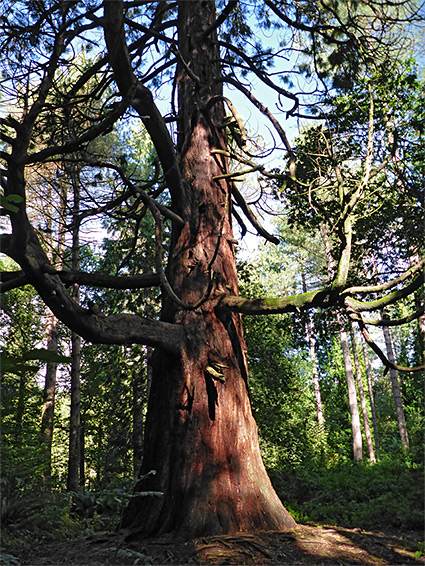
295 303
389 299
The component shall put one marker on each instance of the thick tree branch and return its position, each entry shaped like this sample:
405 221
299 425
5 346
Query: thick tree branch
295 303
13 279
103 280
97 328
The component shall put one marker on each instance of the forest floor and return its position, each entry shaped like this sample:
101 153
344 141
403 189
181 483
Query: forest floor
325 545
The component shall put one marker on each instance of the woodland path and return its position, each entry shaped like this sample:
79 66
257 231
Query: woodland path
324 545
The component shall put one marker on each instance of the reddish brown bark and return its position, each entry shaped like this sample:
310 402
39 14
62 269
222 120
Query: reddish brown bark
201 437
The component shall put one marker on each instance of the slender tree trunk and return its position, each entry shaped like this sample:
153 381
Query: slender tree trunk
138 384
82 451
396 390
421 332
352 393
368 433
99 454
201 437
48 410
312 351
20 408
75 413
52 324
73 482
349 374
371 395
316 380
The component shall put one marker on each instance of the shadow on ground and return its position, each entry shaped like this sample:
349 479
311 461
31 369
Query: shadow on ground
303 545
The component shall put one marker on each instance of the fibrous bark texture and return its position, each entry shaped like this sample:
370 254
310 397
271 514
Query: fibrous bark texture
201 438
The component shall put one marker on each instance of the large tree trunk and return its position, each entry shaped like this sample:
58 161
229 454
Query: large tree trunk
201 437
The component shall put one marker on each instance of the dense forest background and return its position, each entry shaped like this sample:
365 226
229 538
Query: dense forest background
341 424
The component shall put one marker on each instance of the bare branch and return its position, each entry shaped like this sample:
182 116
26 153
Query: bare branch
390 284
142 101
222 17
266 80
89 135
381 354
387 321
251 216
264 110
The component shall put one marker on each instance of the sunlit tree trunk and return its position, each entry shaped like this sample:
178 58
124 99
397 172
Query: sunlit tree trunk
346 354
201 437
49 393
315 370
362 397
352 393
48 410
312 351
396 390
371 395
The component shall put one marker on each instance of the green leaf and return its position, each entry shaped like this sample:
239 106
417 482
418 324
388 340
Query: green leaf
17 365
44 355
6 202
14 365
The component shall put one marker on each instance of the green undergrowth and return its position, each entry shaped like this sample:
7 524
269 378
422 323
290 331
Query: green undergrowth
388 494
36 518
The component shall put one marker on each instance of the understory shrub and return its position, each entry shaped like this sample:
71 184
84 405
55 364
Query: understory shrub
387 494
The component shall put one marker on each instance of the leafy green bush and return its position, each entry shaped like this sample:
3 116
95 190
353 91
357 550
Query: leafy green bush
40 517
388 494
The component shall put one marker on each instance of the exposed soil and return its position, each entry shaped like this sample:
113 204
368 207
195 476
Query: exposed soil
303 545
